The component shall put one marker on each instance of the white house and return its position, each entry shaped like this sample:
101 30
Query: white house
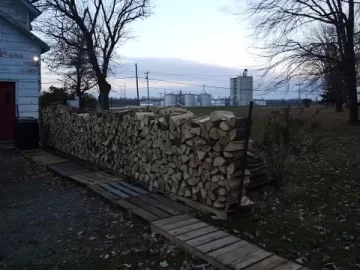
20 65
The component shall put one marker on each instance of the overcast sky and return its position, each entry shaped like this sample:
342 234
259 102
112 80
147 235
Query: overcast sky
193 42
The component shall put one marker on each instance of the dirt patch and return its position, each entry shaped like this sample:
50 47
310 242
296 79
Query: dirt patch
47 222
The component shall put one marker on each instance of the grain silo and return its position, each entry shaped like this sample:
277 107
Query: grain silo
189 100
170 100
205 100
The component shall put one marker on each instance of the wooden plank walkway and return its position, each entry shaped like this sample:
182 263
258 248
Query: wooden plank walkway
44 158
223 250
171 219
136 200
91 178
68 168
153 207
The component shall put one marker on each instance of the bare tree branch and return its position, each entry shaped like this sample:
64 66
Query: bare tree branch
104 25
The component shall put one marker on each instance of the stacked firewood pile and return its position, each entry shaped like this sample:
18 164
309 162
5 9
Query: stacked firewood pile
199 158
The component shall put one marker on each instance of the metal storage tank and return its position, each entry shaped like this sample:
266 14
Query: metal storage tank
205 100
170 100
189 100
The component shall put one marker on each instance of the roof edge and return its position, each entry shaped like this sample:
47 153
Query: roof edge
34 10
44 47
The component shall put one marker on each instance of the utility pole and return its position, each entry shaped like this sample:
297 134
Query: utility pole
204 88
299 84
148 93
137 84
164 96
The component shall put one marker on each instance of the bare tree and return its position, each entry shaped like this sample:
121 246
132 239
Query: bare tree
284 27
68 55
104 26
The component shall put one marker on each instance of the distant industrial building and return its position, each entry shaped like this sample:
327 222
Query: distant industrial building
241 89
187 99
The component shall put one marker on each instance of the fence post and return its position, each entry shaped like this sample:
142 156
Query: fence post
245 159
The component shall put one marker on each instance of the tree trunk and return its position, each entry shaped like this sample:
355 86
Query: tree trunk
105 88
352 94
339 97
350 66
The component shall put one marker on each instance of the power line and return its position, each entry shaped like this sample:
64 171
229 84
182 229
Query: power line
215 86
123 78
196 74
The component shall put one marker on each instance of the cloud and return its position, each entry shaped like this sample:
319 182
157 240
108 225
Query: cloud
225 9
173 75
177 74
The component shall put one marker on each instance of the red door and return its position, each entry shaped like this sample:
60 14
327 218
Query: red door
7 110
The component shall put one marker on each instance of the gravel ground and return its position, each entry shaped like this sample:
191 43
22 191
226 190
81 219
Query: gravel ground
48 222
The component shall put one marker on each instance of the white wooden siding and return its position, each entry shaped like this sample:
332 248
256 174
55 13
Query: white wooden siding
17 65
28 101
17 11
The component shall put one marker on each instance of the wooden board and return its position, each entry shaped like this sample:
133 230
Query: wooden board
45 158
132 187
106 194
288 266
67 168
267 264
244 251
207 238
250 259
93 178
194 234
140 206
179 224
228 249
222 242
124 189
149 208
115 191
136 210
164 221
108 177
201 207
167 208
189 228
176 205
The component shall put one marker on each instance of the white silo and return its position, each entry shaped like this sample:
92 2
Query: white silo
189 100
205 100
170 100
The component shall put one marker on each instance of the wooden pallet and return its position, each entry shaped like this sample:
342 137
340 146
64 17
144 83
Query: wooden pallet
92 178
117 190
153 207
221 214
224 251
67 169
45 158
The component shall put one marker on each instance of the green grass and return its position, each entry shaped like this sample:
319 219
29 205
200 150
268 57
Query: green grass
315 215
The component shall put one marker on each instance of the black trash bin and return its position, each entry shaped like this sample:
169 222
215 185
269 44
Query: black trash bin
26 133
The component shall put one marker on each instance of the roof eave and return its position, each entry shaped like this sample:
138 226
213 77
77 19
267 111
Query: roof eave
43 46
35 12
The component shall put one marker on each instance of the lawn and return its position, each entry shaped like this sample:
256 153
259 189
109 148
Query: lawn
314 216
